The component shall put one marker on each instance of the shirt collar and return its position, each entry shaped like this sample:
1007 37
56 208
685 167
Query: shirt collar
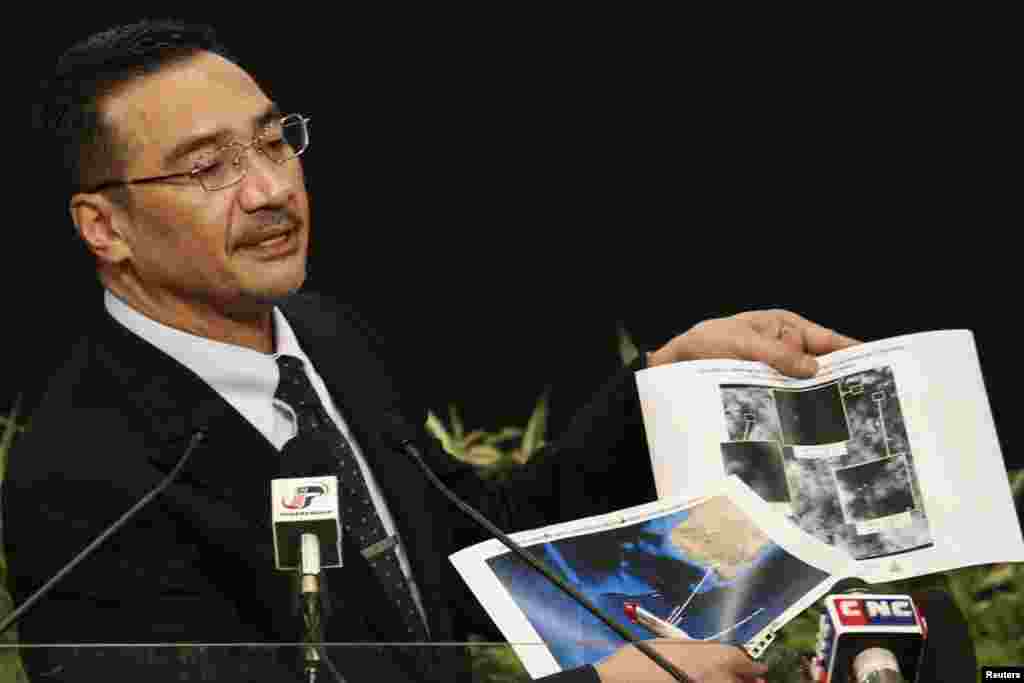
246 378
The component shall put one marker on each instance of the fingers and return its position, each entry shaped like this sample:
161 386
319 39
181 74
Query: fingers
782 339
781 355
813 338
711 661
818 339
749 668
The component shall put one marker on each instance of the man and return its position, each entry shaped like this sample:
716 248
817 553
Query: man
189 192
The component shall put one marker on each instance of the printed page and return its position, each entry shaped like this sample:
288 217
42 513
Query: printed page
719 567
889 453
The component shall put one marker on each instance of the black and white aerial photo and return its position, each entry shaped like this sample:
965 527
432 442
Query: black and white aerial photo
864 497
875 490
812 417
759 464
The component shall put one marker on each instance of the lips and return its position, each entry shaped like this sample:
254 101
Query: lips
261 240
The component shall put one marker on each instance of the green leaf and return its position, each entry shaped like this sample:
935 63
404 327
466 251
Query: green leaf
1000 575
628 351
436 427
506 434
448 442
7 437
482 455
1017 483
477 435
533 439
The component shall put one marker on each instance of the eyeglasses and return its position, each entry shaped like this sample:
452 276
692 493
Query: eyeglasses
280 141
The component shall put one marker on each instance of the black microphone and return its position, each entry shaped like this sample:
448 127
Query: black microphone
304 503
307 535
893 639
13 617
405 436
868 637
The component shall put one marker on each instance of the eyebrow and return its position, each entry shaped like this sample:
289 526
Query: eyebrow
191 144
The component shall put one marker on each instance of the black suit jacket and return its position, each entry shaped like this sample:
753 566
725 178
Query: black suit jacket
196 564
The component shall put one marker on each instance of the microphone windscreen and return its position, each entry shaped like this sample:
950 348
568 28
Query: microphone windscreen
852 584
308 455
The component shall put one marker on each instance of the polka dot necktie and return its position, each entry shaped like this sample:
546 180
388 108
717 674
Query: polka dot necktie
358 515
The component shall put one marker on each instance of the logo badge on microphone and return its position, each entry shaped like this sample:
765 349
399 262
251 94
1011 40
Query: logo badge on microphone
854 623
853 611
303 496
301 505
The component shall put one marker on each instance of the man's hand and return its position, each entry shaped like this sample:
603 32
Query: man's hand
783 340
702 662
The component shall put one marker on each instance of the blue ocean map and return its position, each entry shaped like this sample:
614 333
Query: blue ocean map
708 570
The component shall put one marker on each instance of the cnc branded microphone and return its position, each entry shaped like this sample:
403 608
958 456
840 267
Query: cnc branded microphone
869 638
404 436
13 617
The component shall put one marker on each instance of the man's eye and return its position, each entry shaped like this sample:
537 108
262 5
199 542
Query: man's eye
208 167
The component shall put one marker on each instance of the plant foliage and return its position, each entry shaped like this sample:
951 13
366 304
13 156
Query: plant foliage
11 668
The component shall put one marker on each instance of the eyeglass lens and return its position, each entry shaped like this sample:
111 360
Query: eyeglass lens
281 141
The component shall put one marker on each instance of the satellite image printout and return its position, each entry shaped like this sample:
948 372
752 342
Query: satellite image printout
709 570
837 453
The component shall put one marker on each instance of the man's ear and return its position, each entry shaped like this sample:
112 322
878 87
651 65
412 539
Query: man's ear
100 224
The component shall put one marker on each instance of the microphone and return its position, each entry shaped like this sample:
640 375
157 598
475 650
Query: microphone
948 652
304 500
309 551
13 617
405 436
307 535
869 638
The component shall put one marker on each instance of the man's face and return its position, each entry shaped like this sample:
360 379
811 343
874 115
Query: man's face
186 247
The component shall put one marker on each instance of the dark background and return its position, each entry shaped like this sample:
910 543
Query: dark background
494 193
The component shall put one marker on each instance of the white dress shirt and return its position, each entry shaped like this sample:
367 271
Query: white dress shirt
247 379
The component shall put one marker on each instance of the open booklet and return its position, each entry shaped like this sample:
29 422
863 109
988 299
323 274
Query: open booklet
882 467
889 453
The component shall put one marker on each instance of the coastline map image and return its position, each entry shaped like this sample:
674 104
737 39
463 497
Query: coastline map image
707 570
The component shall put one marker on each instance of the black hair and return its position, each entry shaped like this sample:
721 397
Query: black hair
69 111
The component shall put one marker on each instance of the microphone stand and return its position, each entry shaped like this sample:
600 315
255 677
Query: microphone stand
309 595
314 657
413 452
313 635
